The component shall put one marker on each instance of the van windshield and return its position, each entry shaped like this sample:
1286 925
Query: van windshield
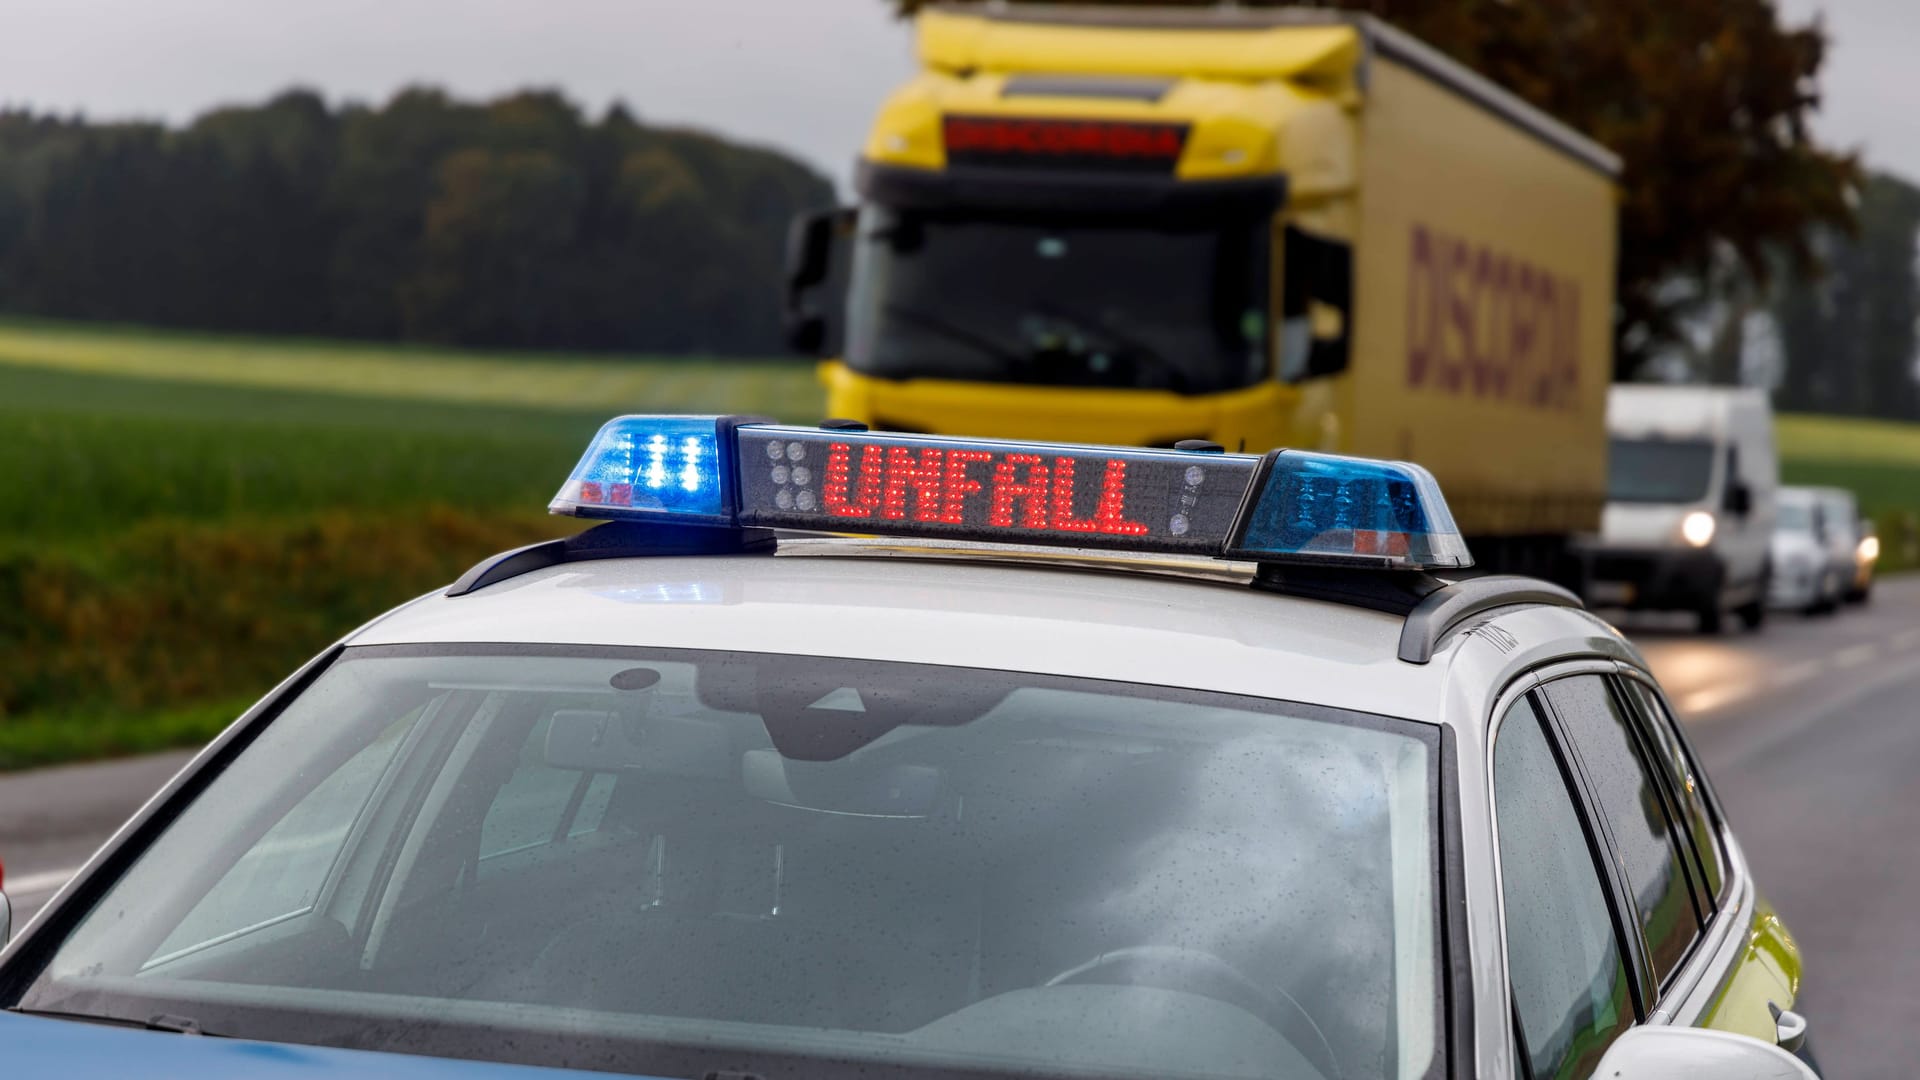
1117 302
678 863
1659 470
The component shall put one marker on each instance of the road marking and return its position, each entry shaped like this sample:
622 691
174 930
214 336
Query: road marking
1797 673
1719 696
45 881
1854 656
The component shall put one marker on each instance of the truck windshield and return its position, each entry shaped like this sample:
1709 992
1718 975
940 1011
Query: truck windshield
678 863
1659 470
1077 302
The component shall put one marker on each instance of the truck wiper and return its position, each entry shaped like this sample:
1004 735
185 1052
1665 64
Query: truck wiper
1105 328
954 332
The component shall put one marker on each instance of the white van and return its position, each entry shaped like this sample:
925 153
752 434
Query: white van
1692 477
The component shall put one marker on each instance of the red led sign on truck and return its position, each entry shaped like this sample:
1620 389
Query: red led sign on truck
1144 500
1092 144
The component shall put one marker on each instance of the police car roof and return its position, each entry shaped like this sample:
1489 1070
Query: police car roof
1170 622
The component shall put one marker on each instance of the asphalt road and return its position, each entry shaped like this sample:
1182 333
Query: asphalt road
1810 730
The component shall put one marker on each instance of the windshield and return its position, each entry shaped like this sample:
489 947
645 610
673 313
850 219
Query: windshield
1659 470
673 863
1794 515
1090 302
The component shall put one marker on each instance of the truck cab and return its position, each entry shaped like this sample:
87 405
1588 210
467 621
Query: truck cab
1261 229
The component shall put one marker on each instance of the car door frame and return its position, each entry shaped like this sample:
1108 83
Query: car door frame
1599 844
1701 981
1698 983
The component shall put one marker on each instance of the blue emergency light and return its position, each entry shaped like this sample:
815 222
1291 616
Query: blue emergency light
1281 507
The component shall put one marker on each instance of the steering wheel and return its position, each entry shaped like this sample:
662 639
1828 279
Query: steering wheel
1171 967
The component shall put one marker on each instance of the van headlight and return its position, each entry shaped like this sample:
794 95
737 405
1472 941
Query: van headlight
1869 549
1697 528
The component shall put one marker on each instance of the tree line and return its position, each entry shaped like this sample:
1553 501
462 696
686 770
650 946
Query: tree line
1850 336
513 222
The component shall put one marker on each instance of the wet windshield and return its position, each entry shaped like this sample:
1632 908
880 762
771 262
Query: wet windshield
1069 302
669 863
1659 470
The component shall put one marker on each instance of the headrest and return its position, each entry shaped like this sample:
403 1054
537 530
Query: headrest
605 741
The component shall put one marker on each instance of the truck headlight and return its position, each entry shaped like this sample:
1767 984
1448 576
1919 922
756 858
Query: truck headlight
1697 528
1869 549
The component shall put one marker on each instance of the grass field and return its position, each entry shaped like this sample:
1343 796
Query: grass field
600 384
185 518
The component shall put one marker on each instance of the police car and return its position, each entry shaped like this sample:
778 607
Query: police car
1061 761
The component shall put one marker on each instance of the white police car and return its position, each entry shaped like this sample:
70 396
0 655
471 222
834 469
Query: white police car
1115 763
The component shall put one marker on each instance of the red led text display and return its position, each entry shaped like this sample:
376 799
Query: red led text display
1088 143
1022 493
935 485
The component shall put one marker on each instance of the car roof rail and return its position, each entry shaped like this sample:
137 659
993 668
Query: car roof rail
1446 608
612 540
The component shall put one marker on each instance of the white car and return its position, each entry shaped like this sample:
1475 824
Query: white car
1808 572
1124 763
1851 543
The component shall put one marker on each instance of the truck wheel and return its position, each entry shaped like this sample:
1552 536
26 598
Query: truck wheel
1709 619
1754 615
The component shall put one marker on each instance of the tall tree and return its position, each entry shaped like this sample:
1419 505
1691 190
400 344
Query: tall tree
1706 101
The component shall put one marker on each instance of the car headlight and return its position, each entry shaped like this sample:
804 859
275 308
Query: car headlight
1869 549
1697 528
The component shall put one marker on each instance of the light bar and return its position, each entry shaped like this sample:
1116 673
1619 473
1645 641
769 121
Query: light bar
1353 511
1285 506
652 467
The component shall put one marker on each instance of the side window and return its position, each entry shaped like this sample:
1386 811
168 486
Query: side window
1564 959
1682 782
1644 838
1316 305
281 875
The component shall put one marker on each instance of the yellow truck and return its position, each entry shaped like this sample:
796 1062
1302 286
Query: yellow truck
1257 228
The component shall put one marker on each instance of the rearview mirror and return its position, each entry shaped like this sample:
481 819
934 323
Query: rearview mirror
1739 499
810 247
1689 1053
807 334
811 240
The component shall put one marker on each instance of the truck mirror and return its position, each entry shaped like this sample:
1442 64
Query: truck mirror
811 241
809 238
1739 499
807 334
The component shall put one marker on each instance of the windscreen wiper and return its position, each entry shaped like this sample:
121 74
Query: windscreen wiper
954 332
179 1025
1105 328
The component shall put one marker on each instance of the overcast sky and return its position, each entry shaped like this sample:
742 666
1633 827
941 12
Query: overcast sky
804 75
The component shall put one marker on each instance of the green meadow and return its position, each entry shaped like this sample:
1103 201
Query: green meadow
185 518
